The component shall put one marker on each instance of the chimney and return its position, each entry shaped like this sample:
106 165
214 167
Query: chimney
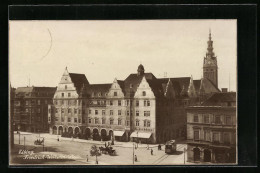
224 90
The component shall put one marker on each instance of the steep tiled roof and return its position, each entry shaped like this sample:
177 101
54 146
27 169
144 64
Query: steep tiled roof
134 80
218 98
98 88
78 80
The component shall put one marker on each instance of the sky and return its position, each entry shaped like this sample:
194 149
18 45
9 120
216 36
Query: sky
39 51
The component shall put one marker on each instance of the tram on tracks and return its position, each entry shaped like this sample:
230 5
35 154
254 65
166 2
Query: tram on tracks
170 147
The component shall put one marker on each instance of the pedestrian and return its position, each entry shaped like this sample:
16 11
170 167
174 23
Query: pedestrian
58 139
96 162
151 151
147 146
135 158
87 158
105 144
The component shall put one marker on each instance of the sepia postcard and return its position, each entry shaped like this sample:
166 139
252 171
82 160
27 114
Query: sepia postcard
123 92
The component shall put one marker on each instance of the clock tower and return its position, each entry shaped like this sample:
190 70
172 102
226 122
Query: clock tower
210 66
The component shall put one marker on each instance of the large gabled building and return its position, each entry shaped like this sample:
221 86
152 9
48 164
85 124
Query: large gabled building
141 107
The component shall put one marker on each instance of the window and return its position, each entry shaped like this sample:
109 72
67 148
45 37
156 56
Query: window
96 120
98 102
127 113
57 110
103 112
131 112
62 110
119 121
217 119
127 123
148 124
207 136
119 112
206 118
79 120
39 110
103 121
69 119
89 120
111 102
119 102
148 103
26 110
69 110
89 111
147 113
111 121
49 118
111 112
56 118
62 102
144 93
228 120
62 119
136 113
115 93
127 102
136 123
195 118
144 102
68 94
196 135
96 112
137 103
226 138
75 111
215 137
62 94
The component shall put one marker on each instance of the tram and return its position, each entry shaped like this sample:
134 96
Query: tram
170 147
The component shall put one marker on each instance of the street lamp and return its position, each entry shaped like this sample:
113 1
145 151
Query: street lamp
137 139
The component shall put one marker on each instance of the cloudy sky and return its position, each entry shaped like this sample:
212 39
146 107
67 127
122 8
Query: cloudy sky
104 50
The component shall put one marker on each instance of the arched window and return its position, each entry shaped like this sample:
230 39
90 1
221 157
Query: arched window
144 93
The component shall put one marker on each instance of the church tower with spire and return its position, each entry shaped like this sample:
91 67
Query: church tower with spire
210 66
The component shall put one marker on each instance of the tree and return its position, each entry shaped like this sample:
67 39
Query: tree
94 151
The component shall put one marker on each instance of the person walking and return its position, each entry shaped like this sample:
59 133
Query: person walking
105 144
87 158
147 146
135 158
151 151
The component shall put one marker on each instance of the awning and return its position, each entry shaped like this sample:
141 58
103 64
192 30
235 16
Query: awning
119 133
140 135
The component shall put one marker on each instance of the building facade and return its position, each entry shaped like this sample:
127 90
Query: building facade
211 129
141 107
31 108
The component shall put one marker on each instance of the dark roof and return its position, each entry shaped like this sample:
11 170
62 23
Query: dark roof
78 80
31 91
197 84
218 98
134 80
98 88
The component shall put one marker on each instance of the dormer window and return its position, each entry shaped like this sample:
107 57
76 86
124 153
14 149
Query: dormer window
144 93
115 93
